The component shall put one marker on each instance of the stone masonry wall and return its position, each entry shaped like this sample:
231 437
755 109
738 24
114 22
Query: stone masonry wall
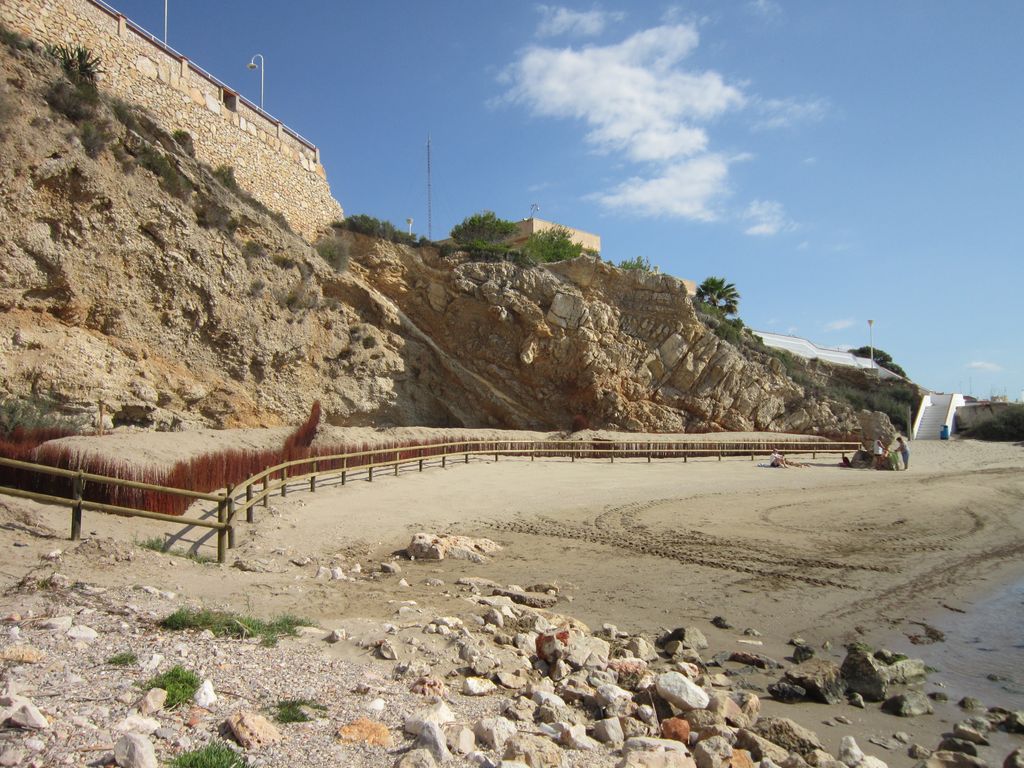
280 170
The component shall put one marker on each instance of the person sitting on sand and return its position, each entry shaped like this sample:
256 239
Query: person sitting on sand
779 460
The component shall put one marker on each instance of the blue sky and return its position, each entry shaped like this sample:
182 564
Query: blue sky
836 161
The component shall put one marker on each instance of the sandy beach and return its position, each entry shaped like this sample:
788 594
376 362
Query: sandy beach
829 554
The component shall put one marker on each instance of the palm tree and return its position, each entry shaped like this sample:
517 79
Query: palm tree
715 292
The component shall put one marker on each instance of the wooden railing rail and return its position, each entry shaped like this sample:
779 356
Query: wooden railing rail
278 478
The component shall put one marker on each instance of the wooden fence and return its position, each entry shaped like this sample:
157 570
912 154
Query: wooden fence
276 479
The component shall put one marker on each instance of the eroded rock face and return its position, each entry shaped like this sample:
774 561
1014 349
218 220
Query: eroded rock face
113 290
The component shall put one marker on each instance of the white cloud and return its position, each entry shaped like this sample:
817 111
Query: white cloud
981 365
633 95
687 189
786 113
767 218
557 20
768 9
838 325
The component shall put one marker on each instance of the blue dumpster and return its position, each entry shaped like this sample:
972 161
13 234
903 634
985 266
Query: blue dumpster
944 432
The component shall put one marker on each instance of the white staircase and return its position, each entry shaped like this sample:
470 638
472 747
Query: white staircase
936 412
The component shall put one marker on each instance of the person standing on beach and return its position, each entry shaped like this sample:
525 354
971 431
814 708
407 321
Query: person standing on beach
904 450
879 453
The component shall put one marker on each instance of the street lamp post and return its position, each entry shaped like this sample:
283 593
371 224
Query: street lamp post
165 22
252 65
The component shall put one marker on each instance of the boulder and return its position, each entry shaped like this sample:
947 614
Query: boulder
439 713
365 731
433 740
252 730
609 731
417 758
681 692
759 747
787 692
866 675
942 759
758 660
1015 759
688 637
22 713
820 678
428 546
535 751
951 744
907 671
714 752
909 704
133 750
494 732
787 734
676 729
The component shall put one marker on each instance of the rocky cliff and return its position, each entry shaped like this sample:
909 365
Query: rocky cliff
133 275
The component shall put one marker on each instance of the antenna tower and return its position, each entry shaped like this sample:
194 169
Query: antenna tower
430 205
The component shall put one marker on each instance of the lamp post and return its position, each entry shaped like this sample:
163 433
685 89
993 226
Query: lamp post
409 223
871 335
165 22
252 65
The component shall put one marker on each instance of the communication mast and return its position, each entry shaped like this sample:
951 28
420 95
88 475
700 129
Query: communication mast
430 204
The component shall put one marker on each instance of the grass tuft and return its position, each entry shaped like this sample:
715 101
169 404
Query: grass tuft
181 685
123 659
224 624
216 754
294 710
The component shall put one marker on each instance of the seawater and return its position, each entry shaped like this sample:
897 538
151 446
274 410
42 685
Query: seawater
983 651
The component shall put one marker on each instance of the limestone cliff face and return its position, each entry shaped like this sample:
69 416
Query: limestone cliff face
621 348
199 309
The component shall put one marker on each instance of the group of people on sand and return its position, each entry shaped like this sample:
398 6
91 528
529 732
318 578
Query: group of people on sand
884 457
889 458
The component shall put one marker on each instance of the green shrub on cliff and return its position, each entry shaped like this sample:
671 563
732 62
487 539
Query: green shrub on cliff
335 252
374 227
78 63
640 263
551 245
171 179
14 41
484 227
76 101
94 137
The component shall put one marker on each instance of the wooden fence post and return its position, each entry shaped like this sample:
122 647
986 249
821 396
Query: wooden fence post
444 460
369 471
250 516
76 511
266 490
284 481
421 465
312 478
222 549
344 469
231 517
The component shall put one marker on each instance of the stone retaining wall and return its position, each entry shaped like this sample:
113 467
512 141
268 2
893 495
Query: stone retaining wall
279 169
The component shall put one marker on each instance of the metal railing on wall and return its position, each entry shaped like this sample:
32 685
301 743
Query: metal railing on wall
259 488
158 43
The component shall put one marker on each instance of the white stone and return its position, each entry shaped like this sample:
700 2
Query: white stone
22 713
439 713
205 697
682 692
137 724
376 706
547 697
493 732
133 750
83 633
432 738
608 731
153 701
478 686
